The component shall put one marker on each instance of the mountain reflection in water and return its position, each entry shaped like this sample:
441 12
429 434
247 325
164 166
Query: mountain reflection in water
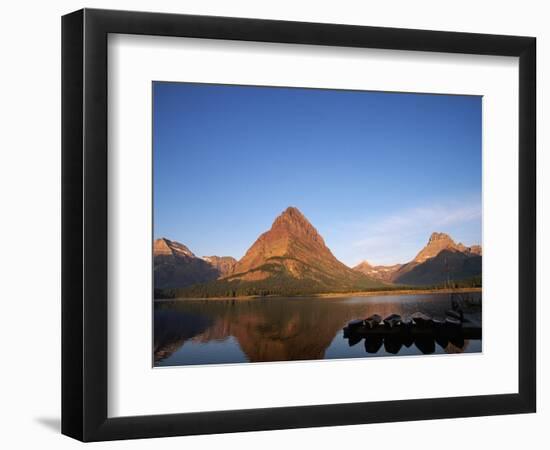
188 332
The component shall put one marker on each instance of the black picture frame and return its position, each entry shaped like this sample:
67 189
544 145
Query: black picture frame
84 224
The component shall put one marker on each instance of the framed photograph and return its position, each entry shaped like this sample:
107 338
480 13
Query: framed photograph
257 212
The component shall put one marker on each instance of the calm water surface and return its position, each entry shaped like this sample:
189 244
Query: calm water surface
188 332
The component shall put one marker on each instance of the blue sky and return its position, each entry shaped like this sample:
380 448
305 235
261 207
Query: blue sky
374 172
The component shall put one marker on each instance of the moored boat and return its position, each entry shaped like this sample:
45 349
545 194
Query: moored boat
356 323
393 320
452 322
373 321
422 320
458 315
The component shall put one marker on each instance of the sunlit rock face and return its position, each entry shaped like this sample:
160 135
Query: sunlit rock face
382 273
224 264
175 266
436 244
441 260
293 248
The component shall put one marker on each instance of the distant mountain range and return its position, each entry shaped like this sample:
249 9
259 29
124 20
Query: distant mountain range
440 261
176 266
292 258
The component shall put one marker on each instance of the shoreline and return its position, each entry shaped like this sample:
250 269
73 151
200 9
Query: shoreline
400 292
336 294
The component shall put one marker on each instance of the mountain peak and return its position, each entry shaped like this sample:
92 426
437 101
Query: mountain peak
363 265
435 237
436 243
293 224
292 211
475 250
291 252
291 214
166 247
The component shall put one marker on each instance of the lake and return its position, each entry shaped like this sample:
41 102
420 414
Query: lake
191 332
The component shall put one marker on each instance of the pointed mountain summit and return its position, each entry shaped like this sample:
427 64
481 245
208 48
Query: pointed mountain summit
290 258
441 241
442 260
437 243
383 273
293 238
166 247
364 266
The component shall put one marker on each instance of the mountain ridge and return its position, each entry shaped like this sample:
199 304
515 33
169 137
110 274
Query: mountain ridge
175 265
292 258
289 258
441 260
293 248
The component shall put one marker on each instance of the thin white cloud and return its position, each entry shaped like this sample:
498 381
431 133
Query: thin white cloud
397 238
416 219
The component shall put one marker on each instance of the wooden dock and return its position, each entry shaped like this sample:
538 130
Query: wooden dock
423 327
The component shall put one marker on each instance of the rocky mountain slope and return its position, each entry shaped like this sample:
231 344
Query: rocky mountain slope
176 266
294 248
290 258
383 273
440 261
224 264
